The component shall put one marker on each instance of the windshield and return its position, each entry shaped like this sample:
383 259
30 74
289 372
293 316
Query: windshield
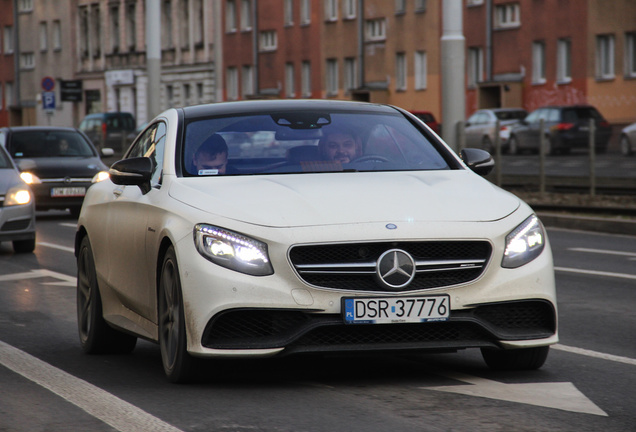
306 142
37 144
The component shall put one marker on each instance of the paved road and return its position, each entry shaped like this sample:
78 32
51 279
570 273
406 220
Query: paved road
587 384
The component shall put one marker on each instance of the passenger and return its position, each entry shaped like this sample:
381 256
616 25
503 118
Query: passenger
211 156
340 145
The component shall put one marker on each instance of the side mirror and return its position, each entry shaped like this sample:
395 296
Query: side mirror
132 172
480 161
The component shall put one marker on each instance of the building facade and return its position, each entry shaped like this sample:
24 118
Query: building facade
532 53
7 63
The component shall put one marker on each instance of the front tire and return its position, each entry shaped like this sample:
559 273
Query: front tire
96 336
24 246
515 359
178 365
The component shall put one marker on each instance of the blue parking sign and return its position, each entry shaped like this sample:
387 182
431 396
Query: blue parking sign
48 100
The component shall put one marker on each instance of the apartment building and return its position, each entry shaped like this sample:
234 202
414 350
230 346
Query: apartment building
532 53
7 69
111 54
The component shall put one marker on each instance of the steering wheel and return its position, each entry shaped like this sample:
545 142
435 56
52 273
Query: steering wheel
371 158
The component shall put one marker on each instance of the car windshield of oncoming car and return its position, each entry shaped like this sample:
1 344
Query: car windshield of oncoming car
4 159
302 142
41 144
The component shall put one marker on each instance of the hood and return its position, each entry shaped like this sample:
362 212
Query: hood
348 198
8 179
56 167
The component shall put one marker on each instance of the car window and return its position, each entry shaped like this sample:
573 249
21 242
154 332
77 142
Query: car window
533 117
510 115
306 142
30 144
151 145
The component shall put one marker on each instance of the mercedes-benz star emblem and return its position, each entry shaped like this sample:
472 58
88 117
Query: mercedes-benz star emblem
395 269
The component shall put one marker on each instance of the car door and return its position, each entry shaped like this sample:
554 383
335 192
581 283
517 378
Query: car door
132 264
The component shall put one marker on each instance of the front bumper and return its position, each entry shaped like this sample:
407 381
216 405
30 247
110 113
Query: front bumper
17 222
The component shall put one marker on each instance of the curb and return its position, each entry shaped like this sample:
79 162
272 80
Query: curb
589 223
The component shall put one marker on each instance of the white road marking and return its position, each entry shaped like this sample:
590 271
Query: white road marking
65 280
595 354
603 251
596 273
54 246
562 396
110 409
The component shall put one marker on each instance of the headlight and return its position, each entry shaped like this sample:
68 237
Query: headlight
232 250
29 178
100 176
524 243
18 195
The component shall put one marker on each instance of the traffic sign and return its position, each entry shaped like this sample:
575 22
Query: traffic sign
48 84
48 100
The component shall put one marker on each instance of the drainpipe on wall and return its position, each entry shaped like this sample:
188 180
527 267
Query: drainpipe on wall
16 61
361 76
153 58
257 89
218 51
488 40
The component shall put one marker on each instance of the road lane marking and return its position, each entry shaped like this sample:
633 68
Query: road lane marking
65 280
562 396
102 405
596 273
604 251
55 246
595 354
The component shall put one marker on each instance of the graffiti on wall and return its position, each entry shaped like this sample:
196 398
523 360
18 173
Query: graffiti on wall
557 95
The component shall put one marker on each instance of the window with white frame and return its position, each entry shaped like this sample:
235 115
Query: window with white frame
230 16
200 93
305 78
538 62
420 5
349 9
332 77
246 15
376 29
420 70
166 25
305 12
184 24
331 10
7 40
350 74
268 40
27 61
400 71
605 56
290 83
187 94
288 12
44 37
474 2
231 83
475 66
630 55
131 27
57 35
507 15
25 5
84 32
198 22
247 81
96 32
169 96
400 6
114 28
564 61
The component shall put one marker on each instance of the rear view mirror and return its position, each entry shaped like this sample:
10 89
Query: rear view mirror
132 172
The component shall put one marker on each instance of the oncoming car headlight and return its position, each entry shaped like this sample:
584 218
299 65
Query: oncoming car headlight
524 243
18 195
100 176
29 178
232 250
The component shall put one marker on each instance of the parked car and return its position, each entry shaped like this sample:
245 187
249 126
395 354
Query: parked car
59 164
628 139
565 128
108 130
428 118
217 242
17 207
480 127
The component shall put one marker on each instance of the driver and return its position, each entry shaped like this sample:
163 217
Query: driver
210 157
340 145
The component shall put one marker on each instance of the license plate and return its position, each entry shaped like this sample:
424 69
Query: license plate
389 310
68 192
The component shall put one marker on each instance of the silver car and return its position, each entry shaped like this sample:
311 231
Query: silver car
480 127
628 140
17 207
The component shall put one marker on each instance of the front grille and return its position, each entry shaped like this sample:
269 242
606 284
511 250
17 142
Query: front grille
353 266
17 225
300 331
